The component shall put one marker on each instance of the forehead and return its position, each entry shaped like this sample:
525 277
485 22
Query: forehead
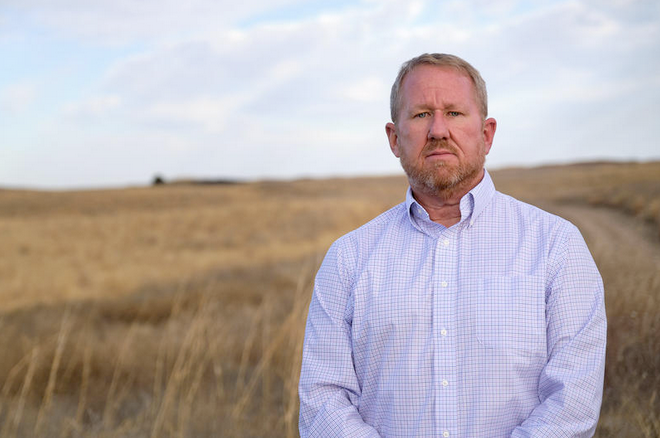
437 84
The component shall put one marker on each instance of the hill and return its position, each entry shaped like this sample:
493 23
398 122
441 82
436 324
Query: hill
179 310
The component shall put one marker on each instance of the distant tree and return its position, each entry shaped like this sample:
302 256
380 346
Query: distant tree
158 179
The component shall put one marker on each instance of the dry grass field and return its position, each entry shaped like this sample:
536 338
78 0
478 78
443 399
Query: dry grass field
179 310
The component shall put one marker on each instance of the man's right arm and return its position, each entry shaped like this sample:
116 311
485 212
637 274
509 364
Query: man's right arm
329 389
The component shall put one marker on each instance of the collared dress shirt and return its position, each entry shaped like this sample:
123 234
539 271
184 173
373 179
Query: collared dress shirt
493 327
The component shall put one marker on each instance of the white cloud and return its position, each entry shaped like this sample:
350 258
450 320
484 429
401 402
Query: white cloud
125 21
209 85
368 90
98 106
209 114
17 98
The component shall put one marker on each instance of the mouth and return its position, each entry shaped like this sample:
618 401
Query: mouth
439 153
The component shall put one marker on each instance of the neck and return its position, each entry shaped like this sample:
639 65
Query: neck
444 206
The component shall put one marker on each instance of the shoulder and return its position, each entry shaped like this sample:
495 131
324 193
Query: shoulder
547 232
559 239
336 275
346 251
390 220
528 215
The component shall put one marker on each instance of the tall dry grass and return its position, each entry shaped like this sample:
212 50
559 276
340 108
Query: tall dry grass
179 311
165 311
191 363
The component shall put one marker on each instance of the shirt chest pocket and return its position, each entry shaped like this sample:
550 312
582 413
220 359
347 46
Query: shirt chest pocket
511 314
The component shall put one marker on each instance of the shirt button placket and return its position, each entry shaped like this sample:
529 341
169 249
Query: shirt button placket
445 281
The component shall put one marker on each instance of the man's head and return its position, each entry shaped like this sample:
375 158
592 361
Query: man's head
439 130
440 60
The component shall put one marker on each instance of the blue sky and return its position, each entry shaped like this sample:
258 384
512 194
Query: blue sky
108 94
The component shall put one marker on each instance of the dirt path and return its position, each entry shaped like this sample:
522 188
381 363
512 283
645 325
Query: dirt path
610 233
627 252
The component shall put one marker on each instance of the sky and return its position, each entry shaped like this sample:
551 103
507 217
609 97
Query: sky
110 93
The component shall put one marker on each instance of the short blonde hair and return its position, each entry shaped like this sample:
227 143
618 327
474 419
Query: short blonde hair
440 60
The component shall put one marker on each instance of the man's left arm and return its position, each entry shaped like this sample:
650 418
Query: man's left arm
571 383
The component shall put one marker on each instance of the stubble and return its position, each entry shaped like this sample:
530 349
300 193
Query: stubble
440 178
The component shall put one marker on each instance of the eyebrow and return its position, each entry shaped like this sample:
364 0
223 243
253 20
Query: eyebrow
448 107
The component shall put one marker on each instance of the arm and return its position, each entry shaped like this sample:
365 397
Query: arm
329 389
571 383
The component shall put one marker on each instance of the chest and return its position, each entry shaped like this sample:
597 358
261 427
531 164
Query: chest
483 294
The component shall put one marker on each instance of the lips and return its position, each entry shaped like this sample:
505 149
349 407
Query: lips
439 149
439 153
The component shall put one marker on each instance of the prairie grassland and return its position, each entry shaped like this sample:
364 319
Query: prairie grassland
179 311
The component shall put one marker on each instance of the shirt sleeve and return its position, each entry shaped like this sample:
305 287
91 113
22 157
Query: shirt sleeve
571 383
329 389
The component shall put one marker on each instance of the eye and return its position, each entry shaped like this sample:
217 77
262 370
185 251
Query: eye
454 113
422 115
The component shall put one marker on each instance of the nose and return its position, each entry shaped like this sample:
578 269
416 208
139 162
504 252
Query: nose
438 129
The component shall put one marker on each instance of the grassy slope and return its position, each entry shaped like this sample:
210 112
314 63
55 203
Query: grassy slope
179 310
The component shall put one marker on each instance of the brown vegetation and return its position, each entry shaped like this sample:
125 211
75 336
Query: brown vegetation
180 310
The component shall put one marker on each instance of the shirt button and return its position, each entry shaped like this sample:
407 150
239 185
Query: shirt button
445 242
444 284
443 332
445 383
445 434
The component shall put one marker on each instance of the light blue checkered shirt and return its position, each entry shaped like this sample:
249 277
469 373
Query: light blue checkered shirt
494 327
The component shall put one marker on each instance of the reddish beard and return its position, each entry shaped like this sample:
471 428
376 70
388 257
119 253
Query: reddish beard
439 177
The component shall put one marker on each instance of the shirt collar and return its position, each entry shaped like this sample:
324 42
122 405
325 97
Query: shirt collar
471 205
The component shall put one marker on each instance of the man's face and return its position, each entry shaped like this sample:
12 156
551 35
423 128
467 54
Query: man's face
439 136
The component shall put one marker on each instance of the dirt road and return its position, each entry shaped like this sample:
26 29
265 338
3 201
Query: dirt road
614 236
627 252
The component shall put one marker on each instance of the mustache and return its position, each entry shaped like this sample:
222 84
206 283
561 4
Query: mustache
436 144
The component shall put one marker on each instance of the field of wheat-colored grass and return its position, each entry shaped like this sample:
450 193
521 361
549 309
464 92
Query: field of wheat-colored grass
179 310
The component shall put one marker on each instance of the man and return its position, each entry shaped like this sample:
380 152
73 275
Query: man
461 312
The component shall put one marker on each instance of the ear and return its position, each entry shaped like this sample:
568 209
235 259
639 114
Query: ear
393 138
489 133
